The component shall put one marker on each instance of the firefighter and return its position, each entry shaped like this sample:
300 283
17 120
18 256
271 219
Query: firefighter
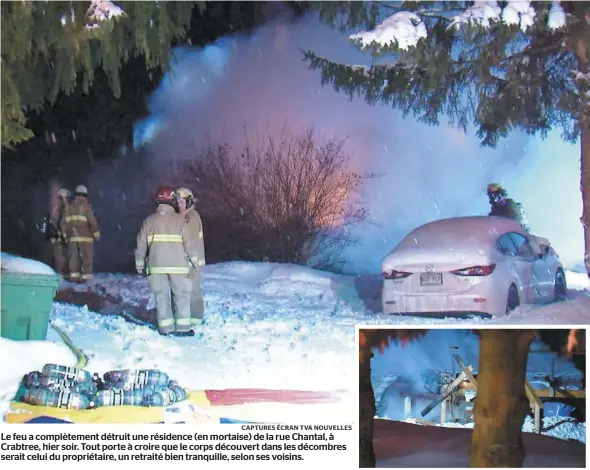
166 255
81 231
56 236
503 206
186 207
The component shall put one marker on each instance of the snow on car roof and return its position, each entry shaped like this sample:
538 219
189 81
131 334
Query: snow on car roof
469 231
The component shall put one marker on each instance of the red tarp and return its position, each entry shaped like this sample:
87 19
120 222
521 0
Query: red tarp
238 396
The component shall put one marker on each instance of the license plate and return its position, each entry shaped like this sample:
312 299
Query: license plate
431 279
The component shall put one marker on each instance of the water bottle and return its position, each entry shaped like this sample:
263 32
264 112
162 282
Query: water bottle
123 385
136 379
179 392
55 382
31 380
70 373
114 397
161 397
57 399
85 388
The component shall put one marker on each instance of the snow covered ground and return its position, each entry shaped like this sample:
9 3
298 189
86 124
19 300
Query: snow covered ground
402 445
267 326
282 296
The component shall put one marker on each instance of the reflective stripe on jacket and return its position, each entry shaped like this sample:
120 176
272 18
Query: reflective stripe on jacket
195 231
55 223
162 247
78 222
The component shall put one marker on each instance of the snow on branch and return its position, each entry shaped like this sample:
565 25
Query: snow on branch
518 12
407 28
404 28
480 13
102 10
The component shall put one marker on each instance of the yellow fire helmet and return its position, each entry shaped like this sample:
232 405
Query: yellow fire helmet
493 187
184 193
81 189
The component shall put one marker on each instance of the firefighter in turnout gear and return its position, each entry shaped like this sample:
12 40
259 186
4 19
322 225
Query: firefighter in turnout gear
81 231
503 206
166 254
55 234
186 207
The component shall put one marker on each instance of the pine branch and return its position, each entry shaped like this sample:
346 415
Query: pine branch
429 12
532 52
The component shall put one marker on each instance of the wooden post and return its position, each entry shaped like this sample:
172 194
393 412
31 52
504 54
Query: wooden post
466 370
536 405
443 411
407 407
552 375
538 420
449 389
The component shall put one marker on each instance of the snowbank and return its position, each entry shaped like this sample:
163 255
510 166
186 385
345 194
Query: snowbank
292 294
16 264
267 326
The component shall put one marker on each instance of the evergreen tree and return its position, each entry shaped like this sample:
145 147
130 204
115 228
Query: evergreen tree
49 47
500 65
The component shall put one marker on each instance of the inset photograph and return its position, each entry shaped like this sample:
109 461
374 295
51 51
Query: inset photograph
472 398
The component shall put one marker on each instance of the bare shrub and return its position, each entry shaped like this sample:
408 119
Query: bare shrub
288 200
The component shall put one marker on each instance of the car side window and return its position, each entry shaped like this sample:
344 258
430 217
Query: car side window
523 246
505 246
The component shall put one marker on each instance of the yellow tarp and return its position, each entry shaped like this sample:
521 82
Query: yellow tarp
21 412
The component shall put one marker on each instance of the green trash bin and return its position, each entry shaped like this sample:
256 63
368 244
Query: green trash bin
26 302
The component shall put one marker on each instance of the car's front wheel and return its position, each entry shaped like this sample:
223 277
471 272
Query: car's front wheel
560 289
513 300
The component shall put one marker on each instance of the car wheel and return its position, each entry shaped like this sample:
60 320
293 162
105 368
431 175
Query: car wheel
560 286
513 300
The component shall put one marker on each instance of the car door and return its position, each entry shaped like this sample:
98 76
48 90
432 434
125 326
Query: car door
544 275
506 247
528 270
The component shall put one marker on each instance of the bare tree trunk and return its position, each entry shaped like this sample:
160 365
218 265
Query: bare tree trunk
583 87
367 405
585 186
501 402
